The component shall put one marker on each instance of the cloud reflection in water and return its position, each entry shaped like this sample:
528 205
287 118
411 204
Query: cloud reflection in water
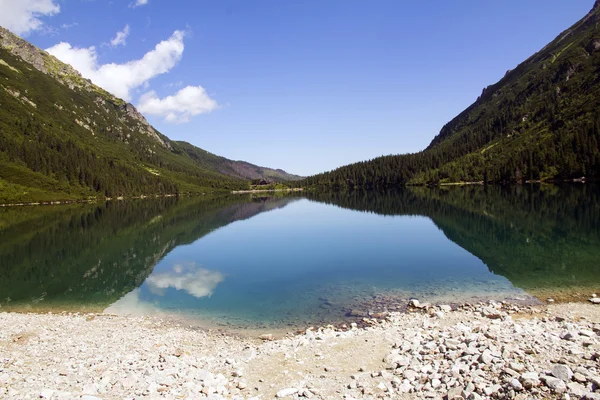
191 278
197 281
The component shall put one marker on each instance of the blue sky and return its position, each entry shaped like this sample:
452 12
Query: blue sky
306 86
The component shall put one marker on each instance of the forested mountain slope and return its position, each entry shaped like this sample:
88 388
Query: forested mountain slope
541 121
63 138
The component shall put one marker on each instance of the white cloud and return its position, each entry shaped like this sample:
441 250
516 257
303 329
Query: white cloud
178 108
121 79
139 3
22 16
69 26
120 38
197 281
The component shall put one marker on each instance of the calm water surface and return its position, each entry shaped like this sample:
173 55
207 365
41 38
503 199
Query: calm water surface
276 261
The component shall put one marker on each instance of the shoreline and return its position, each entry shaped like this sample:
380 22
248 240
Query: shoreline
485 350
301 189
267 190
379 306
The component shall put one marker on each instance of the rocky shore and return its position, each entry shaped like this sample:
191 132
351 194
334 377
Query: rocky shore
491 350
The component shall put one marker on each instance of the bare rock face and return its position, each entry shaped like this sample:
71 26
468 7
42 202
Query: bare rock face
23 49
41 60
143 126
134 113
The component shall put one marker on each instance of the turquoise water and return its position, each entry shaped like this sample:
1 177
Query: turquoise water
265 262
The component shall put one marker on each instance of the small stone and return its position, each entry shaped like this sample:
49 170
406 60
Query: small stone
562 372
178 352
455 394
436 383
530 380
242 385
430 345
517 366
579 377
490 390
515 384
410 374
266 336
594 379
358 313
587 333
486 357
577 389
549 300
414 303
445 308
405 387
595 300
286 392
570 336
46 393
386 375
491 313
557 385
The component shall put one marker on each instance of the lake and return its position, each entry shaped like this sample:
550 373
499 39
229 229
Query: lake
292 260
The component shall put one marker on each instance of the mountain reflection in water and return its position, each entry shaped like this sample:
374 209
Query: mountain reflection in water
313 258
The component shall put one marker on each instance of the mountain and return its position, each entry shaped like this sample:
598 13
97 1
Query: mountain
64 138
236 169
541 121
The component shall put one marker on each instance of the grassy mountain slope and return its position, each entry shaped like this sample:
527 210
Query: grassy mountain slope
541 121
236 169
63 138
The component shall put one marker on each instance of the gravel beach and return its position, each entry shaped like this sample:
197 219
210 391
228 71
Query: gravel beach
491 350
